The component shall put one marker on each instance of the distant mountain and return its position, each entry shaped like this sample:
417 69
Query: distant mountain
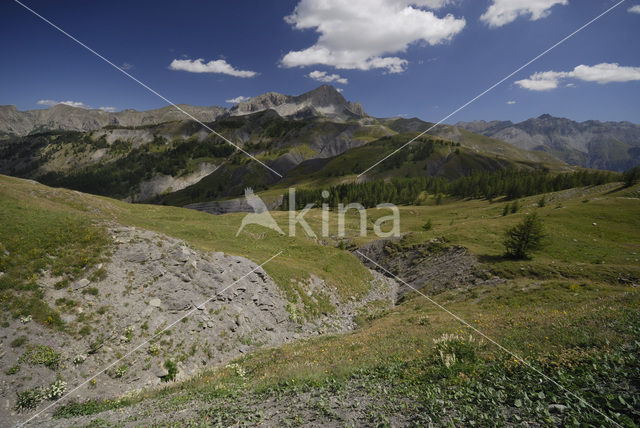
324 101
591 144
64 117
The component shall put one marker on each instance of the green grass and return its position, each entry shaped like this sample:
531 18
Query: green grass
39 234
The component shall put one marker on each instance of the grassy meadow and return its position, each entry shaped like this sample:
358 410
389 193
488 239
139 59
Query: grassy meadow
572 311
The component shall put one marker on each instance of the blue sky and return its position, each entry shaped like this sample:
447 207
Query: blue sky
419 58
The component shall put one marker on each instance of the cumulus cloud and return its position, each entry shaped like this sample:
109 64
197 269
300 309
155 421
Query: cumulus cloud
599 73
51 103
237 100
634 9
502 12
363 34
219 66
323 76
511 102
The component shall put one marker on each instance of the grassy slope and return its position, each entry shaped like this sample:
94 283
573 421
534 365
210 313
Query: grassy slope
565 311
43 208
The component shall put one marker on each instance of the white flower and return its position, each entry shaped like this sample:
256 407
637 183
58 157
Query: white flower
56 389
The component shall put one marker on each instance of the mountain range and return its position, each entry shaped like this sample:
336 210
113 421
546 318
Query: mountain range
590 144
324 100
314 139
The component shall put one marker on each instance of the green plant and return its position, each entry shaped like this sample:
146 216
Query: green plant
18 341
96 344
542 202
631 176
12 370
172 371
524 237
515 207
428 225
454 349
153 349
506 210
98 275
42 355
120 371
91 290
28 399
128 334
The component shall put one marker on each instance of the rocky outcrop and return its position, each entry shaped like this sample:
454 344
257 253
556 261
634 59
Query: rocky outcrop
432 267
166 183
157 299
322 101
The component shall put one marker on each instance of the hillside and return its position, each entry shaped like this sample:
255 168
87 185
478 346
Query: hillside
590 144
180 163
126 271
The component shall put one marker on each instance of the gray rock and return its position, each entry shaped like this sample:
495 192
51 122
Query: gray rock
557 408
136 257
81 284
160 371
155 302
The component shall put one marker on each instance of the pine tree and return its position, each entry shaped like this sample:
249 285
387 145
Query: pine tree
524 237
631 176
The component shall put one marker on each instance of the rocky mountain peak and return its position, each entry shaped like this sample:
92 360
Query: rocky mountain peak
324 100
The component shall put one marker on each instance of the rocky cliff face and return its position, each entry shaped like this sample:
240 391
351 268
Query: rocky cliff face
322 101
591 144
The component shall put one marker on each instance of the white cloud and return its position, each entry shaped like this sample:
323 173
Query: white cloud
51 103
511 102
600 73
127 66
634 9
322 76
502 12
541 81
77 104
237 100
357 34
219 66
